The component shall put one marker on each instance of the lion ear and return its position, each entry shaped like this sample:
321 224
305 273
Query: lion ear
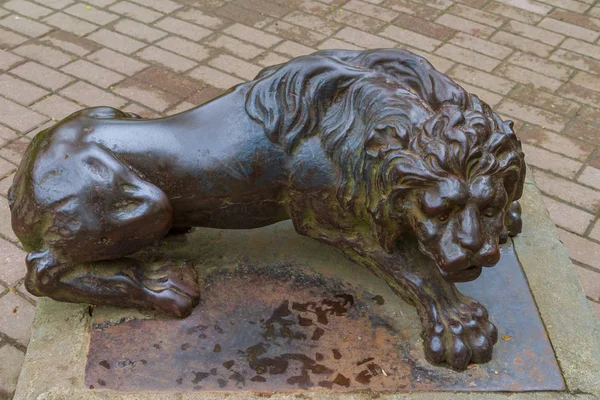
385 137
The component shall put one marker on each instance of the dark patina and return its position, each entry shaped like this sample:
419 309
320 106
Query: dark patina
375 153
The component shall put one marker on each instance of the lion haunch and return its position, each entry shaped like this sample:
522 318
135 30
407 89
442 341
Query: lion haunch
374 152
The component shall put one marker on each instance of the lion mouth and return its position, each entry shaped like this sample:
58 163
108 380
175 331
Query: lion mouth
466 275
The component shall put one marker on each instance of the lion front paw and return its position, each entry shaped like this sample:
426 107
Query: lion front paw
460 333
173 289
512 220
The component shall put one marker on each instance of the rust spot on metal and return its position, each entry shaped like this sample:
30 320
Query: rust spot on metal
284 328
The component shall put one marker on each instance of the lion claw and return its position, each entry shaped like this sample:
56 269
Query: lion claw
174 289
461 334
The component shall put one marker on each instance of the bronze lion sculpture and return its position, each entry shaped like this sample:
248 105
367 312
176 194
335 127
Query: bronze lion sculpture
375 153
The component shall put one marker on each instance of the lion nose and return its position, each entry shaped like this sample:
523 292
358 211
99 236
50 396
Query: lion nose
469 235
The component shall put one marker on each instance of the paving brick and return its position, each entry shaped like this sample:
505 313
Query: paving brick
546 101
44 54
580 94
164 6
18 117
488 97
8 60
552 162
234 46
93 73
6 168
183 28
10 39
179 108
568 191
595 232
581 47
142 111
135 11
55 4
590 282
56 107
424 27
10 367
587 80
591 177
71 24
205 95
27 8
244 16
439 4
370 10
580 249
513 12
336 44
5 184
91 96
363 39
138 30
198 17
118 62
16 315
296 33
171 82
571 5
6 135
527 77
410 38
417 10
13 263
267 7
569 29
585 132
214 78
521 43
577 19
311 22
184 47
91 14
314 7
589 115
25 26
482 79
542 66
270 58
147 95
529 5
293 49
465 25
116 41
20 91
474 14
235 66
358 21
594 12
532 115
534 33
252 35
568 217
467 57
481 46
42 75
576 60
166 58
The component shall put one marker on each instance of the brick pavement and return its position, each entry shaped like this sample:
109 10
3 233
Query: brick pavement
537 62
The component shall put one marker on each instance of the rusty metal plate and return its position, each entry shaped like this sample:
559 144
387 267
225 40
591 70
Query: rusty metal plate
282 326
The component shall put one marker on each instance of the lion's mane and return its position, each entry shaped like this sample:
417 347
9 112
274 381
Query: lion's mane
390 121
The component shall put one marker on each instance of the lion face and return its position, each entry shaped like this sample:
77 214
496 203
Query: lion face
458 224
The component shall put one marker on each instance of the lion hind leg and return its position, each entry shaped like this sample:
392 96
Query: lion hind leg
168 287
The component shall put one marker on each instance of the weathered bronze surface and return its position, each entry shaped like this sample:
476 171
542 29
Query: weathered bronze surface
375 153
295 316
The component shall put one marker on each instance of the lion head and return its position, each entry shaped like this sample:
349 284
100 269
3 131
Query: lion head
418 156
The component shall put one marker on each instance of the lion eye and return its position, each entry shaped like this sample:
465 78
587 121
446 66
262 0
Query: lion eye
444 217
